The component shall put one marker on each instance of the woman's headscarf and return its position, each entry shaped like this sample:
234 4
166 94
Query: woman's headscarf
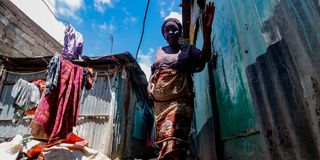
174 18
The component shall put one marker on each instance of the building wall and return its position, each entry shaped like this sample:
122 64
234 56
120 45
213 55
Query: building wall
21 37
266 84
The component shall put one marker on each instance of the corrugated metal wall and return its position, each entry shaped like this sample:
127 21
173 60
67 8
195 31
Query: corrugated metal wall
130 122
97 101
94 119
267 78
96 114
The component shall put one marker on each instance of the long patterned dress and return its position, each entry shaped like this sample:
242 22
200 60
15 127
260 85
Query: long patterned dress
171 89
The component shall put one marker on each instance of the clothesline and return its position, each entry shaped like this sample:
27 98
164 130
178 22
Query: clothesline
25 73
29 73
108 74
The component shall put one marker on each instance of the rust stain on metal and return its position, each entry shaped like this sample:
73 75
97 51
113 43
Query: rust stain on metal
316 95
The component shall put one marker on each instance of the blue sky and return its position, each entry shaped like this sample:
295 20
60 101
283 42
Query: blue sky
98 19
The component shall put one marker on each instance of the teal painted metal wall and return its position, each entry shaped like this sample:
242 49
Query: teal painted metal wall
266 80
235 106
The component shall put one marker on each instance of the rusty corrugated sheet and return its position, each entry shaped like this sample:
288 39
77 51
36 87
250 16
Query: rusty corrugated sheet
267 77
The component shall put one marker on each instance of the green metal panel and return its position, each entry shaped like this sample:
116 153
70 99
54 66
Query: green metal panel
237 46
243 148
233 95
203 104
267 78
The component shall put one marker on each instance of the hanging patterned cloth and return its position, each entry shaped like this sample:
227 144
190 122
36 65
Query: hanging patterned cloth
58 110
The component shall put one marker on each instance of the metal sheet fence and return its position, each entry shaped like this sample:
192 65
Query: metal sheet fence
267 77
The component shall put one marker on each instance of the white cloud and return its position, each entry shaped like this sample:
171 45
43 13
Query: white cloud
172 4
74 4
162 13
128 17
151 50
162 8
93 25
166 9
145 61
111 28
162 3
128 20
70 13
69 8
107 27
45 20
103 26
133 19
125 11
99 5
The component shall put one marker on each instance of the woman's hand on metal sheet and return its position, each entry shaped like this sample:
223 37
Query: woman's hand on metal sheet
207 17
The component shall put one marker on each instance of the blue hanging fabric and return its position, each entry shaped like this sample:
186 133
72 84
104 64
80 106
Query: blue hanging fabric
149 116
150 119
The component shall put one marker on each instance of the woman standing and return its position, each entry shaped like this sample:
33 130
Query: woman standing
171 84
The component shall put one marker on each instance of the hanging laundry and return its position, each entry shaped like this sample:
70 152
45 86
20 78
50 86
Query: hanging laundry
87 78
41 84
73 44
58 109
52 74
58 112
26 96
